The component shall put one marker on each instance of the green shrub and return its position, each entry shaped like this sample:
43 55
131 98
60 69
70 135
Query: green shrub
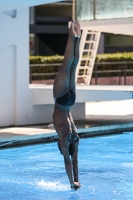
100 58
115 57
46 59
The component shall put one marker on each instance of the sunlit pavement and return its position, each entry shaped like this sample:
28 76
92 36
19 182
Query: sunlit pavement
110 111
100 116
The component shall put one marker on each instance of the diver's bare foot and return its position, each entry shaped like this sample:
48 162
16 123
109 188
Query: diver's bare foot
77 28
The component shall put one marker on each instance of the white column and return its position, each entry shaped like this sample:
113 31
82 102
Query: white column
14 66
101 44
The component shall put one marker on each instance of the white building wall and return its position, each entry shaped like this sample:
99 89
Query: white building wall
101 44
7 83
15 100
44 113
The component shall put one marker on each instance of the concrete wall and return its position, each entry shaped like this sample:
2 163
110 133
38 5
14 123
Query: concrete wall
101 44
14 66
7 83
116 26
44 113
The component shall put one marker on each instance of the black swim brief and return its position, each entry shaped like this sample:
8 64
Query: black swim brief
66 100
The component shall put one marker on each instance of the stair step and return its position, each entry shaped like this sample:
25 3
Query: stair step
82 76
88 50
84 67
82 59
90 41
92 32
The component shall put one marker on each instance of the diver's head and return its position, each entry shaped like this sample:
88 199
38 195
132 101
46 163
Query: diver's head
71 148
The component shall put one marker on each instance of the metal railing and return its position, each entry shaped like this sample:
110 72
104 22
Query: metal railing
125 69
50 75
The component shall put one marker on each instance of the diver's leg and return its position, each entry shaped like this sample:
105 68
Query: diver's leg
72 84
76 58
61 83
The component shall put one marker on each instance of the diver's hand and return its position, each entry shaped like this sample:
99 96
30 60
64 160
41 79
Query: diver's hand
75 185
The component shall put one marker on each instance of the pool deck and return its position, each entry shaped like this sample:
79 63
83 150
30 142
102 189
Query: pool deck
102 118
95 126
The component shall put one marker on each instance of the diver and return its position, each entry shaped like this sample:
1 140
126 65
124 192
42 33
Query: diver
64 91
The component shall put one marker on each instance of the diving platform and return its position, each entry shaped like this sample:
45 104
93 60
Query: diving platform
43 94
92 102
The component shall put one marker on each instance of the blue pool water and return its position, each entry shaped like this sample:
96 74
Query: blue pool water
37 172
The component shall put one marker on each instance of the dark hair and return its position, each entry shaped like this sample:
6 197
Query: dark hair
71 148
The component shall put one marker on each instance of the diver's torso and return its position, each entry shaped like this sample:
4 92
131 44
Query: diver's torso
61 118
